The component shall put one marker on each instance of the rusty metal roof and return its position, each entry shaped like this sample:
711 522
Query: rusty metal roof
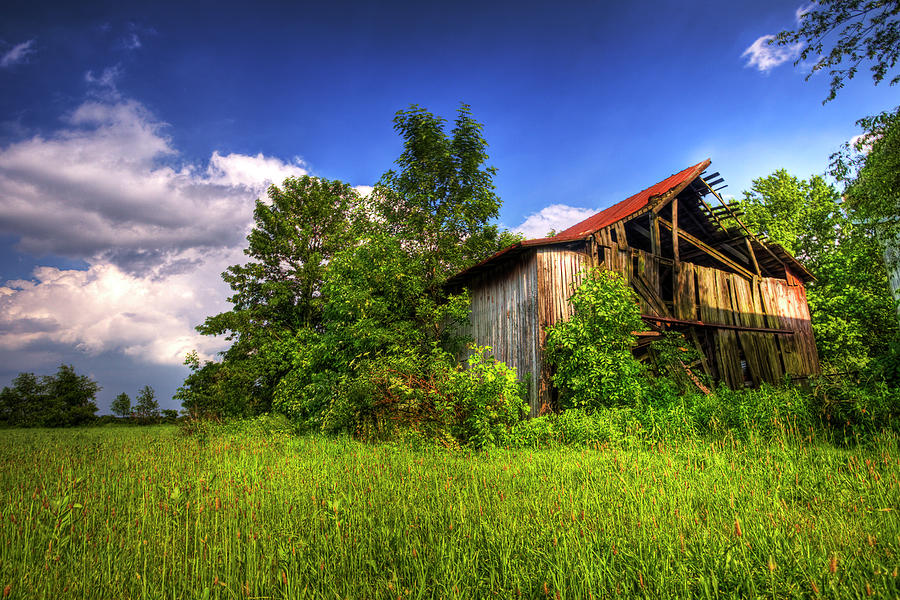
631 205
614 213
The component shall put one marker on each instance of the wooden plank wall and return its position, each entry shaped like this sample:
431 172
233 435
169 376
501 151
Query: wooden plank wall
715 296
559 271
504 316
514 303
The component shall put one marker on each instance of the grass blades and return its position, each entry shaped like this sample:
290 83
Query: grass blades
147 513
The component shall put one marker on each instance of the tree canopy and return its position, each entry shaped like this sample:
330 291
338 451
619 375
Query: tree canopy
850 300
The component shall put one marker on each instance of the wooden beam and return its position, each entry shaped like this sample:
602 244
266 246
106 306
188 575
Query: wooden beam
673 321
654 234
709 250
741 223
733 251
674 229
646 291
752 256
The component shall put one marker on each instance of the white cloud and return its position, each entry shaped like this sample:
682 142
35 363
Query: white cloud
106 80
131 42
100 189
764 57
556 217
18 54
250 171
104 308
363 190
156 235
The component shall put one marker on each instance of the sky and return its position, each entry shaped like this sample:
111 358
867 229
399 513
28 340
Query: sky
136 136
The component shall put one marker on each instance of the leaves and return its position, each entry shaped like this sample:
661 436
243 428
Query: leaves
591 352
868 33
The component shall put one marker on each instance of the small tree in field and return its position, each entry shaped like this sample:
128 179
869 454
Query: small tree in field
147 407
121 406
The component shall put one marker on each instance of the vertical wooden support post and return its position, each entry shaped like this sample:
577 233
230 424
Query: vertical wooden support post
675 229
654 234
752 256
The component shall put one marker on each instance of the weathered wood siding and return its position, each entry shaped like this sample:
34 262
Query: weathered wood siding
504 316
515 302
559 271
719 297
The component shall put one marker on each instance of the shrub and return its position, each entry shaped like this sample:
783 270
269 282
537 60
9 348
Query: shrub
591 352
487 399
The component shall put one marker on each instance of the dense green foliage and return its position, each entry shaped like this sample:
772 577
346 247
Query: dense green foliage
61 400
850 301
342 319
870 168
591 352
298 230
867 33
259 513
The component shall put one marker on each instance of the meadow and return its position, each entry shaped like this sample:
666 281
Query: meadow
121 512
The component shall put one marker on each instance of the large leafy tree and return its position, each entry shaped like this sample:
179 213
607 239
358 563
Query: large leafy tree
387 304
844 35
441 199
850 301
277 293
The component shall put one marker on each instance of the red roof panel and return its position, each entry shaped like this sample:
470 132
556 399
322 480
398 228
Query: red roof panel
603 218
633 204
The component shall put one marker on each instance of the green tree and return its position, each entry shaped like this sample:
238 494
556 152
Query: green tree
867 33
440 201
850 302
386 300
147 408
121 406
22 404
278 292
69 398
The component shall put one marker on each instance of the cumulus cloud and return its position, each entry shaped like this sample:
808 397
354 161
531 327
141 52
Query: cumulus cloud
764 57
105 188
18 54
101 189
555 217
104 308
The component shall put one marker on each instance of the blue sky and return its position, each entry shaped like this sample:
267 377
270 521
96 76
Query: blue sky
134 137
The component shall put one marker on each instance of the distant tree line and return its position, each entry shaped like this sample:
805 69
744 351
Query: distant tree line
62 400
68 399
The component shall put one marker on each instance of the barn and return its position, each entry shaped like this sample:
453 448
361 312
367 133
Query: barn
694 267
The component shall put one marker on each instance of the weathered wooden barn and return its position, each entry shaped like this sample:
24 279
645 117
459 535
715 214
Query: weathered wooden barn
694 266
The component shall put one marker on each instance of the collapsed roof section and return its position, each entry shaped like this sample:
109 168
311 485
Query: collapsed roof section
709 230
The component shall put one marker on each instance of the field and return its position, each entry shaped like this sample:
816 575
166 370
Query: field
148 513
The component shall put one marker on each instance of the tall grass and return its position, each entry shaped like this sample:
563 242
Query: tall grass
146 513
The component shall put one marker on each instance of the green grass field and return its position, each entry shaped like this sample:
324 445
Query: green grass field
146 513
